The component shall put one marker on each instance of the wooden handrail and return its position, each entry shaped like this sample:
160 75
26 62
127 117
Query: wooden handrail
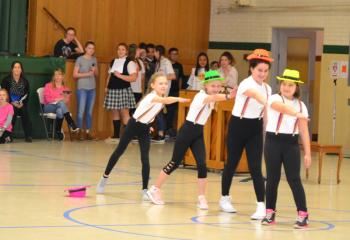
55 19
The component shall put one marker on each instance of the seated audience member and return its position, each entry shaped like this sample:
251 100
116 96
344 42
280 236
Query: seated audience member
17 87
56 97
6 115
68 47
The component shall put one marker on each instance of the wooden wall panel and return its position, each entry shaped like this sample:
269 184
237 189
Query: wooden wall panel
182 23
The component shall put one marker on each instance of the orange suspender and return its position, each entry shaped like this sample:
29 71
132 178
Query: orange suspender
199 114
280 117
247 100
296 121
148 110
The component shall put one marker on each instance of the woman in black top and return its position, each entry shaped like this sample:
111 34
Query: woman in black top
18 88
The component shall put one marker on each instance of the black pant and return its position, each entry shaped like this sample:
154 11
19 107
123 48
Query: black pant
283 149
132 129
26 123
5 135
248 134
190 136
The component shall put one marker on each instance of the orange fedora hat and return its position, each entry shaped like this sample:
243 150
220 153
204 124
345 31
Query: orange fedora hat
261 54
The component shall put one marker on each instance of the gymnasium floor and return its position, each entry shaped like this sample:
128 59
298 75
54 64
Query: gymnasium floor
33 204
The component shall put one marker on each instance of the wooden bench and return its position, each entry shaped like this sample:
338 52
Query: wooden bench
324 149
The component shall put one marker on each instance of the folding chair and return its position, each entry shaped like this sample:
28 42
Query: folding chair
48 116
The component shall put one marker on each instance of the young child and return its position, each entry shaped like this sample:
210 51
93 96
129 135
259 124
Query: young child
139 126
191 136
245 131
6 115
287 119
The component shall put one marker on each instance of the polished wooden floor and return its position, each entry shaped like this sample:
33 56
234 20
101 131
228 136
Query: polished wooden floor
33 204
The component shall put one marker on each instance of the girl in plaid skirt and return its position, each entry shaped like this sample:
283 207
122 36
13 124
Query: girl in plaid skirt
119 96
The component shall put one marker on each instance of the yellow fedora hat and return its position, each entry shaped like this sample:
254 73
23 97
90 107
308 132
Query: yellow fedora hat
290 75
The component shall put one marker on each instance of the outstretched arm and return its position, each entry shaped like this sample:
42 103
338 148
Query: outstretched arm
220 96
252 93
285 109
169 100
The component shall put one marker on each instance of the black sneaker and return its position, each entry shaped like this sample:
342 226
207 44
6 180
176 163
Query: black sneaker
269 219
59 136
29 139
74 128
302 220
158 140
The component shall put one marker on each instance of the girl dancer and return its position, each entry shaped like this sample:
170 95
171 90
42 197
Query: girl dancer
6 115
287 119
139 126
246 130
191 136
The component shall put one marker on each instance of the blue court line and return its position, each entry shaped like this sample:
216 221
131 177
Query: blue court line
99 225
329 226
67 215
193 219
291 206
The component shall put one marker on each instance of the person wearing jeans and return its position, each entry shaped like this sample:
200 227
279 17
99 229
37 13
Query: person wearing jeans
56 98
86 100
86 71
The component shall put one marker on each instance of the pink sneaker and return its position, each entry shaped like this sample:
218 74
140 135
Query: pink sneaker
202 203
302 220
155 195
269 218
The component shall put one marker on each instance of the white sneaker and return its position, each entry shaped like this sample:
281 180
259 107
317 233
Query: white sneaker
226 204
144 195
202 203
101 185
155 195
260 212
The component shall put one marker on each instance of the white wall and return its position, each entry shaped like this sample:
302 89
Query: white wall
255 24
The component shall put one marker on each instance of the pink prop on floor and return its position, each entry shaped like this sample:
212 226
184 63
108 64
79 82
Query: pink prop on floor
78 192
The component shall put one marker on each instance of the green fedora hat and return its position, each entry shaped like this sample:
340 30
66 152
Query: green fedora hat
212 75
290 75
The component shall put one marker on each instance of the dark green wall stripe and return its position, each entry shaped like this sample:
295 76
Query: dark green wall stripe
330 49
336 49
239 45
